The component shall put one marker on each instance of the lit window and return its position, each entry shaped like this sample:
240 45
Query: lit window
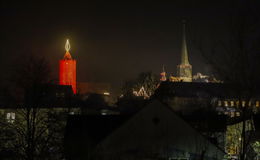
232 114
232 103
10 117
103 113
257 103
243 103
219 103
237 114
61 94
106 93
249 103
226 103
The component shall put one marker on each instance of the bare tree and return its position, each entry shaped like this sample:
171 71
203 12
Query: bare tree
36 129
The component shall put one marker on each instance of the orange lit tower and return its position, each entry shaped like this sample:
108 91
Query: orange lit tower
67 72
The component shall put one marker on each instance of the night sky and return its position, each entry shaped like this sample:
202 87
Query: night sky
112 42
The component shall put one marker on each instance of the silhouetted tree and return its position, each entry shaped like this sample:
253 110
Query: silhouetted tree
36 131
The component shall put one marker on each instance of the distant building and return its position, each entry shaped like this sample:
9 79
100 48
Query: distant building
84 89
91 87
184 70
189 97
155 132
163 75
67 70
45 97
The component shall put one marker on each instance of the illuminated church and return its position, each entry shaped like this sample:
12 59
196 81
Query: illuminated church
184 69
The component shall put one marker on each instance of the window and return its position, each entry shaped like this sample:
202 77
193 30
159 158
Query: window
10 117
219 103
61 94
243 103
257 103
226 103
232 103
249 103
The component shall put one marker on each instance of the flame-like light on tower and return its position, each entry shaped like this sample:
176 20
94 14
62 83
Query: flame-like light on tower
67 46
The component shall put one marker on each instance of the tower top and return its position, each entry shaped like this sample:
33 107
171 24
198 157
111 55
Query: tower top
184 50
163 69
67 48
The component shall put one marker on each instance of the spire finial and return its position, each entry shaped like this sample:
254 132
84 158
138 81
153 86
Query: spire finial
163 68
67 45
184 52
184 27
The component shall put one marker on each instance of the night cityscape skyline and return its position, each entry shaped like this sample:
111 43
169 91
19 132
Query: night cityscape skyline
104 36
130 80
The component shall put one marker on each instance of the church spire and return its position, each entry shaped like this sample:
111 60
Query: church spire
163 75
184 70
184 50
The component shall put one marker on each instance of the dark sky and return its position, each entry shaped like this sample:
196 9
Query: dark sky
111 42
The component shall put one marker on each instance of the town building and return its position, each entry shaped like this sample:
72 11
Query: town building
154 132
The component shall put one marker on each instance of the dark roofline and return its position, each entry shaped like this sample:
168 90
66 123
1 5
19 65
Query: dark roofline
198 89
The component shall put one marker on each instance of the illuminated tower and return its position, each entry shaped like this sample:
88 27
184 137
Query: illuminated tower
184 70
163 75
67 73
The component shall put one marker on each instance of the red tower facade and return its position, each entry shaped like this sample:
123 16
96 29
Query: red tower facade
67 70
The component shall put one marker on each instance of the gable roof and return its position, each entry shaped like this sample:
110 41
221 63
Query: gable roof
156 129
84 132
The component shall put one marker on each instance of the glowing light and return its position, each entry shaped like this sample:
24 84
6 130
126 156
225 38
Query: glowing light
67 72
106 93
67 45
141 93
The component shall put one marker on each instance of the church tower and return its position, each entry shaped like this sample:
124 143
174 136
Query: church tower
67 70
163 75
184 70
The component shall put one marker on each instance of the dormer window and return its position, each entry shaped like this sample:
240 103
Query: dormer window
10 117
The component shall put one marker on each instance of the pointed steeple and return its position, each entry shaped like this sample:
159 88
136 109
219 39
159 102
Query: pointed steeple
184 70
184 50
163 68
163 75
67 48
